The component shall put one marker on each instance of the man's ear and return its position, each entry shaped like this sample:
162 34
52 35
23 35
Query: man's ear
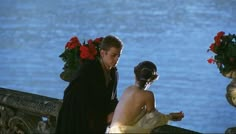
102 53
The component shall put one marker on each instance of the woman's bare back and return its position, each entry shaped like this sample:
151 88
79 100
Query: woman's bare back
130 106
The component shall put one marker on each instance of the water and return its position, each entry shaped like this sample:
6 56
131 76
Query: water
173 34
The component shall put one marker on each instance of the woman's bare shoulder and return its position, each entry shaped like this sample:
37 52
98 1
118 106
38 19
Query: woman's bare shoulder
134 90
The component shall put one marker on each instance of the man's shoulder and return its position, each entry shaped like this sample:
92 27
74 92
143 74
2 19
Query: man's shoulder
87 65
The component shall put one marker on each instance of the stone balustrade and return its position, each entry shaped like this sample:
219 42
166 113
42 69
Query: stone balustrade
27 113
22 112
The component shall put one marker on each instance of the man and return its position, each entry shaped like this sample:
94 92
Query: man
135 112
90 99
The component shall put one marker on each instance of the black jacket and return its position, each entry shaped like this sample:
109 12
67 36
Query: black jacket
87 101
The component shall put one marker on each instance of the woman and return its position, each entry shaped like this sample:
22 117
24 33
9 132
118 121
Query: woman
135 112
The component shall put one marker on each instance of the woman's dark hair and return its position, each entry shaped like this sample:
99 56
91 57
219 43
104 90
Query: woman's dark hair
145 71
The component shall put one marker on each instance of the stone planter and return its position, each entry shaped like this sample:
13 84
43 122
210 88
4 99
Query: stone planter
231 88
231 92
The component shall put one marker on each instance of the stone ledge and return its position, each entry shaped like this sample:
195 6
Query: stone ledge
168 129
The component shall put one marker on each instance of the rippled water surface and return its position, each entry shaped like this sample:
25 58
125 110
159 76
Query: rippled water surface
173 34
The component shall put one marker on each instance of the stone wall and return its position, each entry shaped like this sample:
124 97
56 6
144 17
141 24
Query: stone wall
22 112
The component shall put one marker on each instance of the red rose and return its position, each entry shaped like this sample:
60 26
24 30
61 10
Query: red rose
217 40
211 60
90 41
218 37
220 34
98 40
212 47
88 52
74 41
92 52
84 54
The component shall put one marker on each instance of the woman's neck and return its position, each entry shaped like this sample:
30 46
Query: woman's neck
137 84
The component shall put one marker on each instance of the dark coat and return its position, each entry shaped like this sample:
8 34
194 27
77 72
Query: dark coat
87 101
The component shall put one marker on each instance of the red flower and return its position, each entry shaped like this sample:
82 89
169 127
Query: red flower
74 41
220 34
84 54
98 40
224 48
212 47
218 37
211 61
90 41
92 51
88 51
217 40
77 53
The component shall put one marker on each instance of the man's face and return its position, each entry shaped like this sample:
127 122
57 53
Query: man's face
111 57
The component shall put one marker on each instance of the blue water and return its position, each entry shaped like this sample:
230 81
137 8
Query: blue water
173 34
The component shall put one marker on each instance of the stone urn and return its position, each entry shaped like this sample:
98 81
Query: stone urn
231 88
231 92
231 95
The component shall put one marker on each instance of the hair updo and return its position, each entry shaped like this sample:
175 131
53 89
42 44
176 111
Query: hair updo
145 72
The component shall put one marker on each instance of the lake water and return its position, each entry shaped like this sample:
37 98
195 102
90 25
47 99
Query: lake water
173 34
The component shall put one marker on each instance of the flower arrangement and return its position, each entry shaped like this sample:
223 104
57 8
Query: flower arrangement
76 53
224 48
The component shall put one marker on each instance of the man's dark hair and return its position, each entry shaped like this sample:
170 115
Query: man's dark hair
111 41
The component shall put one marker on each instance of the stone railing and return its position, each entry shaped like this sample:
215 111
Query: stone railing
27 113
